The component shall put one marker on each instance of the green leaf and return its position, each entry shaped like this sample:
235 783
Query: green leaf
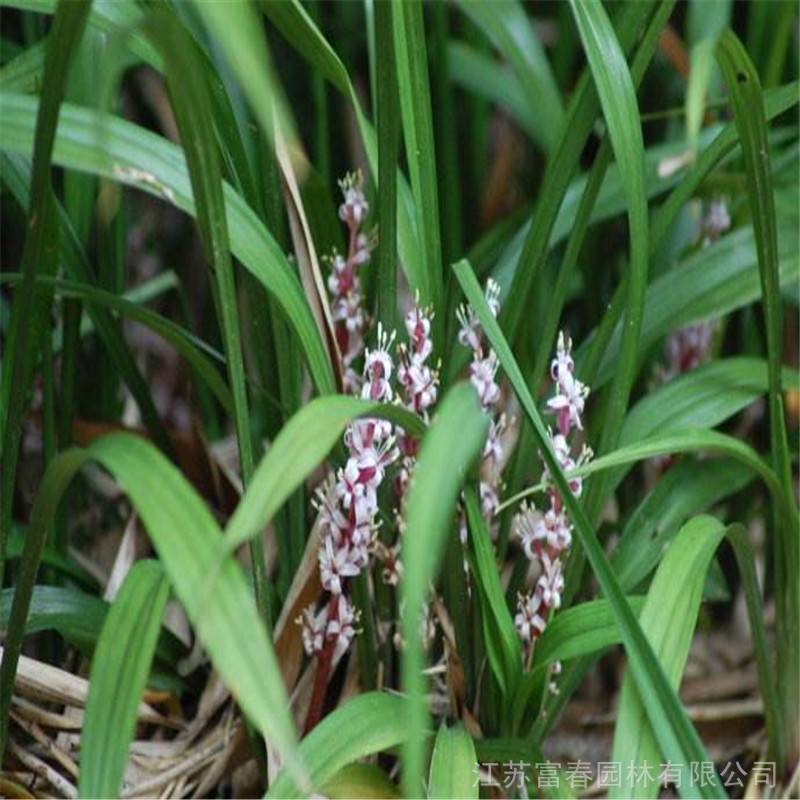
506 23
480 74
578 121
415 108
190 91
294 23
502 642
687 441
580 630
132 155
30 313
237 29
388 119
677 737
448 448
669 617
303 442
703 397
363 781
747 102
705 21
373 722
119 671
452 765
77 616
621 113
188 345
706 285
687 488
206 579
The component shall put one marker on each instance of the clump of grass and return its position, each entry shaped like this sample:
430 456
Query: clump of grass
300 523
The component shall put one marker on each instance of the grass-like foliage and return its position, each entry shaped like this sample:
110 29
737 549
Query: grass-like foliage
399 398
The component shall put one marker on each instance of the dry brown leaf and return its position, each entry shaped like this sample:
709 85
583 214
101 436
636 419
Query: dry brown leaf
306 253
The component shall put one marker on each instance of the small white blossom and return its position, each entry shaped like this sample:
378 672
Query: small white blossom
530 619
313 629
353 211
551 581
482 376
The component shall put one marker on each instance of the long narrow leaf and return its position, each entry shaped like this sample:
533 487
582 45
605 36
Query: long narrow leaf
448 448
119 671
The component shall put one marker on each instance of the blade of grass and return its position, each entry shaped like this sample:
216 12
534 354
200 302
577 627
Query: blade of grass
16 174
445 127
388 130
481 75
676 735
374 721
618 101
448 448
577 125
236 28
30 313
207 581
777 102
669 617
291 19
191 348
706 285
747 102
415 112
498 625
452 764
78 616
688 487
120 667
507 24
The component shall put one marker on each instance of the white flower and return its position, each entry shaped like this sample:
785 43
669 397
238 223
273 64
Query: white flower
493 448
335 563
313 629
355 208
537 530
481 375
418 327
551 582
530 620
493 296
342 626
469 333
